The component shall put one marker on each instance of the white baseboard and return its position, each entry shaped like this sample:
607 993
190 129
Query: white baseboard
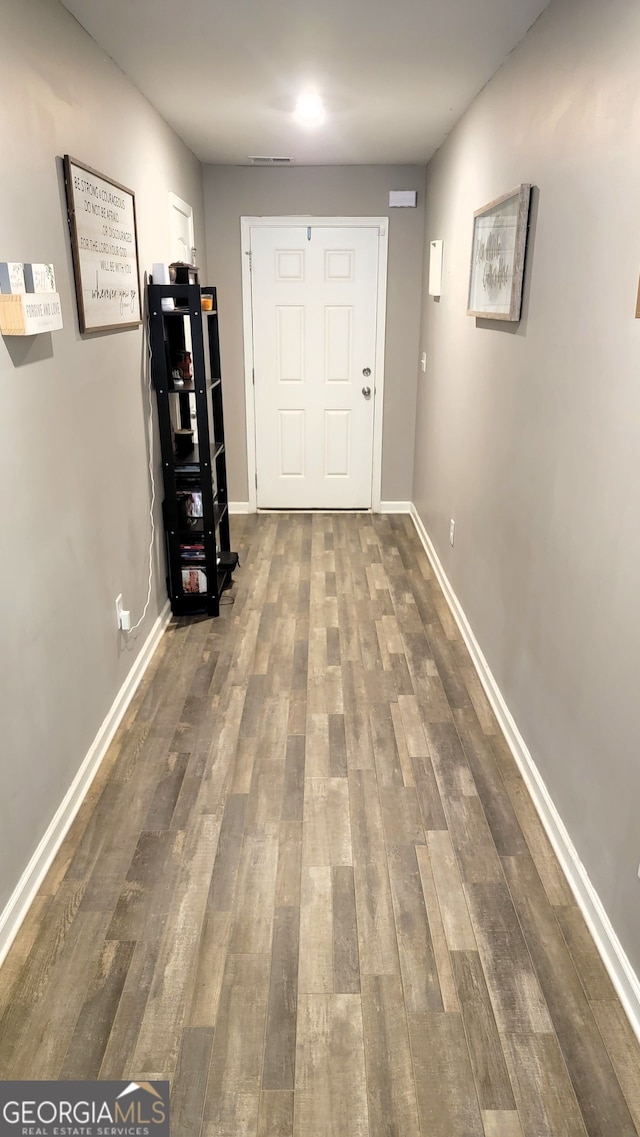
24 893
395 507
240 507
611 950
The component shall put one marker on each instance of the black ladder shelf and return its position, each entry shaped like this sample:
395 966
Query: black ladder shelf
189 393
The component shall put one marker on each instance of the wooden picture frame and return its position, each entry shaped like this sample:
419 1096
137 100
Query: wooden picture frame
104 244
497 256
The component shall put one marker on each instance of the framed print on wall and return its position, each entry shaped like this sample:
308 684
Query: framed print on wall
497 256
104 244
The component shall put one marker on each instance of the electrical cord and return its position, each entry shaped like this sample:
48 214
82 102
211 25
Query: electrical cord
151 476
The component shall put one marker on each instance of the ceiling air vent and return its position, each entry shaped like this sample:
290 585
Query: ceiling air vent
268 160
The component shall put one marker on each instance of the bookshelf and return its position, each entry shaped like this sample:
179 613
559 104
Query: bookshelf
185 367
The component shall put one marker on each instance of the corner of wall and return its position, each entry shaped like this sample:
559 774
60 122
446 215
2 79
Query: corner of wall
612 953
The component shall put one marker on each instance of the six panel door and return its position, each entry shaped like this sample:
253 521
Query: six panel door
314 297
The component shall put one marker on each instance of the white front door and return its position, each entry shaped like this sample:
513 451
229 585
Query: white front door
314 294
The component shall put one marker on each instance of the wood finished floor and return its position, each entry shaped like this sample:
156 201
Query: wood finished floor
308 884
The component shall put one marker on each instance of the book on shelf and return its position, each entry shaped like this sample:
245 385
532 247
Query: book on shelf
188 480
190 552
194 580
190 502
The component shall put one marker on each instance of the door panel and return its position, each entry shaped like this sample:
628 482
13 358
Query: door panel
338 265
291 444
338 343
314 301
290 343
289 265
337 444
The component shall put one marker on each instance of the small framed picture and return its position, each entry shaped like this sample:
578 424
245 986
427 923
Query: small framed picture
497 256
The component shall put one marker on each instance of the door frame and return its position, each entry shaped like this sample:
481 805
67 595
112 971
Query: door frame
382 225
179 205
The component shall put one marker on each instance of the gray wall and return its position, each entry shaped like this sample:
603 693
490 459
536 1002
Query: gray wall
529 437
73 451
232 192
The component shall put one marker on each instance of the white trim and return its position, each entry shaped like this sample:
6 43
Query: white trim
247 336
381 332
384 507
394 507
329 511
611 950
382 223
178 202
179 205
25 891
240 507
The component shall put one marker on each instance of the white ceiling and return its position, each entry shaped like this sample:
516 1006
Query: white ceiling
225 73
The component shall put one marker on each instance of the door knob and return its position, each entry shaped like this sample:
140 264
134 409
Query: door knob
366 371
366 391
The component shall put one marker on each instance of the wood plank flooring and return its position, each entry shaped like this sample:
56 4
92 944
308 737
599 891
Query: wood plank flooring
308 885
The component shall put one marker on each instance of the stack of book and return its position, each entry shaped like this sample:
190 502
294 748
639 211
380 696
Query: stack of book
192 553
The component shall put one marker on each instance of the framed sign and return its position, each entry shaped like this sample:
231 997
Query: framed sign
497 256
104 243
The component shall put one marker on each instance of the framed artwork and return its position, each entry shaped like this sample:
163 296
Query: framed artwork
104 244
497 256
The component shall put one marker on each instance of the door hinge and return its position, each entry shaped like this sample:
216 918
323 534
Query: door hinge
253 376
255 477
249 254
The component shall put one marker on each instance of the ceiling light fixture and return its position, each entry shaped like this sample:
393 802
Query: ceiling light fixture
309 109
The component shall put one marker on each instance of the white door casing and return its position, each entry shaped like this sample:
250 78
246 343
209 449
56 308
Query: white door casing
314 312
183 249
181 229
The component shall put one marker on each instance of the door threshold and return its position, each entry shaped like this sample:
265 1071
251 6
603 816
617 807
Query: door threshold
311 509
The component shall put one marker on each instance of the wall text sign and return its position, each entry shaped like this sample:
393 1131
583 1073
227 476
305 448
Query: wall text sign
102 222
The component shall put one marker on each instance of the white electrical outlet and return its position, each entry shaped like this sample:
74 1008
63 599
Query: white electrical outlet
119 610
423 361
452 531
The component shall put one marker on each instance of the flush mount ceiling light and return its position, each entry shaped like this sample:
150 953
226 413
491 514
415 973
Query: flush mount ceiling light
309 110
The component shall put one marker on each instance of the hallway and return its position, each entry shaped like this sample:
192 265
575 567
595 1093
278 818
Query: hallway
308 885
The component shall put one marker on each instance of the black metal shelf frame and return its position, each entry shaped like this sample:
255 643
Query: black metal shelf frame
203 468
